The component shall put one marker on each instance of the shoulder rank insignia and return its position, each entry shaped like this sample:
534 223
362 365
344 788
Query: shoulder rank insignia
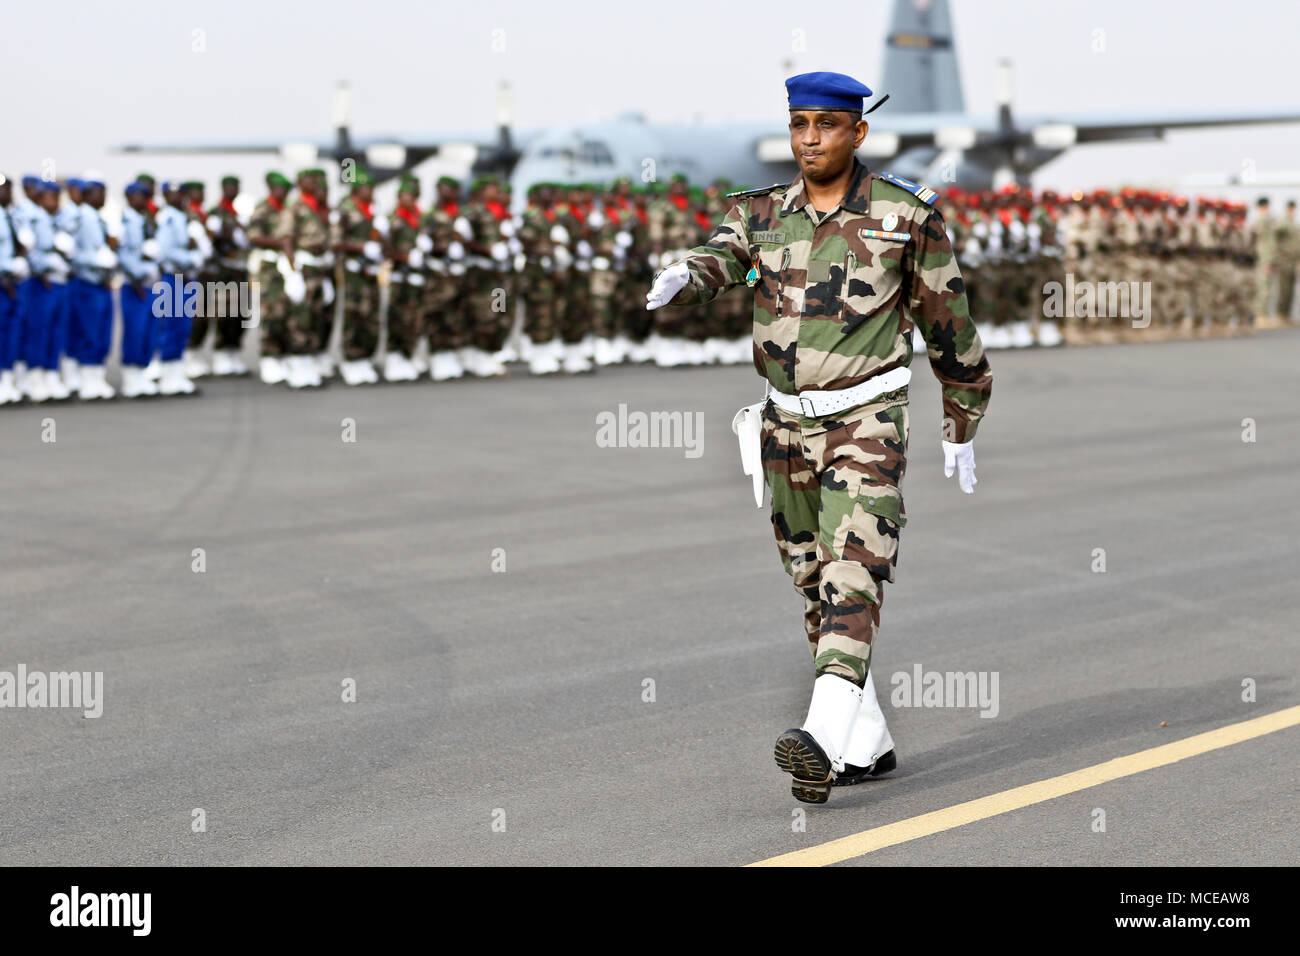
762 191
923 193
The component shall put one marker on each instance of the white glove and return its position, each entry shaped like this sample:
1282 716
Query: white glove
507 228
584 249
327 291
295 288
27 238
151 249
520 260
515 245
19 269
559 234
380 224
463 228
960 456
562 258
104 258
455 251
113 229
415 259
213 223
239 238
423 243
196 231
595 219
667 284
58 269
372 251
500 251
623 239
64 243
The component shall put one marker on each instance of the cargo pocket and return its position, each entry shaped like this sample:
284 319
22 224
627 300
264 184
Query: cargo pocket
870 518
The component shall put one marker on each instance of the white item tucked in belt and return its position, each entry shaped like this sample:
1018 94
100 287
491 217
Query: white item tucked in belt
821 404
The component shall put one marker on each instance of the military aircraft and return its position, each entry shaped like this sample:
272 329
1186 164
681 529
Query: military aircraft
923 133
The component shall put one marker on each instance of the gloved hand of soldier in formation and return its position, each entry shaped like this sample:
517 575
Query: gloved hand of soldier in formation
666 285
373 251
960 456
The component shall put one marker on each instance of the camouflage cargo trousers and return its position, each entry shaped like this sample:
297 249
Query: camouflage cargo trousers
273 311
837 509
491 308
360 316
604 309
406 315
307 330
540 299
444 313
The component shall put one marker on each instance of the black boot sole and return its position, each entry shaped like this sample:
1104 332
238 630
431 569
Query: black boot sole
799 755
884 763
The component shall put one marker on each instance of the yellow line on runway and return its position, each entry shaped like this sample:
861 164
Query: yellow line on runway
926 824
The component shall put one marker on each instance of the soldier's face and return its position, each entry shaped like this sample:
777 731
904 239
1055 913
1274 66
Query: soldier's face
95 197
279 192
229 190
823 141
6 194
49 200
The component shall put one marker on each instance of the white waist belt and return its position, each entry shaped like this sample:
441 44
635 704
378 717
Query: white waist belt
821 404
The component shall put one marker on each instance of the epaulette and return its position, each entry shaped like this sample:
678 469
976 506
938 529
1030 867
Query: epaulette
763 191
923 193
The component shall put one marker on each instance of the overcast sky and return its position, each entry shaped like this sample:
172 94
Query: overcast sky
79 77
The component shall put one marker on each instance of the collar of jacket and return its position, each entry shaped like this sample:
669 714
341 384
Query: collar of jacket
857 198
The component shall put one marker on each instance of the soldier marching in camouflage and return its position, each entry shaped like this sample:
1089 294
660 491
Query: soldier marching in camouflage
842 263
357 237
230 245
304 231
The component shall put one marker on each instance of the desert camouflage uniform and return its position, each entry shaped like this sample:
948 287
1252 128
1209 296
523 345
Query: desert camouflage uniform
834 305
230 264
311 320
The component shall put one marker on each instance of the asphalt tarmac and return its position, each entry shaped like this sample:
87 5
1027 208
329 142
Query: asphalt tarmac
500 589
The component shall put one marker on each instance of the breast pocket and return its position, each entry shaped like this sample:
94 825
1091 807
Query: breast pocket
873 273
768 265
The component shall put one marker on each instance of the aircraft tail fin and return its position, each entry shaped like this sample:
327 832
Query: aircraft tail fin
920 73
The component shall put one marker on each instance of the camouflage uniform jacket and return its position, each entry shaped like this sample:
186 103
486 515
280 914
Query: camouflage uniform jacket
309 230
835 301
226 251
353 224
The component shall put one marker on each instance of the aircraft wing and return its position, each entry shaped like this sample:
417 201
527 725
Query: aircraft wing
1096 128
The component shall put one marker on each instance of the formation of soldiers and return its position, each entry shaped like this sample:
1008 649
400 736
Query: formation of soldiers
463 286
1131 264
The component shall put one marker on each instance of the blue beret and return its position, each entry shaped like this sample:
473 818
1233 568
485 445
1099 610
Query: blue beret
49 187
137 188
91 183
825 91
169 185
30 180
73 183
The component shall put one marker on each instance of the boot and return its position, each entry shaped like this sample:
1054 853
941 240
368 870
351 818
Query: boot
814 753
870 750
271 369
94 384
135 384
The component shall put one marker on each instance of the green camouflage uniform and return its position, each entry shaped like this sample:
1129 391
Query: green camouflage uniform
230 264
575 316
538 285
311 319
490 310
445 317
272 302
406 313
673 230
834 304
360 282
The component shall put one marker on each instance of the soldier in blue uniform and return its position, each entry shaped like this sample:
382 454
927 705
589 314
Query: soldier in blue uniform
138 253
93 268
